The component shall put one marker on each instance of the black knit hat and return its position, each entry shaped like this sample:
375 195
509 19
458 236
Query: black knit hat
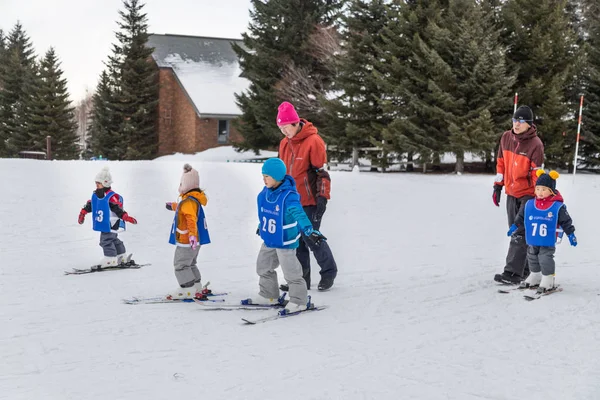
524 113
547 179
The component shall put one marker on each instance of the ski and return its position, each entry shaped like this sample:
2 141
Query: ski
206 294
277 316
164 299
233 307
518 288
531 297
98 268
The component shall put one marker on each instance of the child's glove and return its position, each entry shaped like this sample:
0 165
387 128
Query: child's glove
169 206
321 207
129 219
572 239
193 242
496 195
316 237
511 230
81 216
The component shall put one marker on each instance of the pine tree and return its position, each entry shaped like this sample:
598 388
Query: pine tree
481 86
403 76
356 116
19 84
52 113
105 138
542 45
138 84
278 42
589 149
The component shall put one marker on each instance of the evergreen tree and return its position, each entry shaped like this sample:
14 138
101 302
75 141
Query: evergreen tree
52 114
356 116
403 76
105 138
19 82
479 86
278 41
138 84
444 79
589 150
541 41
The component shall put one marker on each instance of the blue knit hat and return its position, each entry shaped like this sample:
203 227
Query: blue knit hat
275 168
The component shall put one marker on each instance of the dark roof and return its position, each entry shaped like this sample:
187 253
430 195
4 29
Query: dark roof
207 69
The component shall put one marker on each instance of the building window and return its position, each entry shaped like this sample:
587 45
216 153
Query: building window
223 133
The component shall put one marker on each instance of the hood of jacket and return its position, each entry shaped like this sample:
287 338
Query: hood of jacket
288 183
544 204
307 130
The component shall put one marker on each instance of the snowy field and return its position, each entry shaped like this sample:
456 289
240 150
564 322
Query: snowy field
414 313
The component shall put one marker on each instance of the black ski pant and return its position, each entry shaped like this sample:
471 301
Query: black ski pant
516 259
322 253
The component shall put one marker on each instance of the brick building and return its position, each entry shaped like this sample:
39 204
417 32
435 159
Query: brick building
198 77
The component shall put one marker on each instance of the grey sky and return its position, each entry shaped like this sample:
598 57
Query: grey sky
82 31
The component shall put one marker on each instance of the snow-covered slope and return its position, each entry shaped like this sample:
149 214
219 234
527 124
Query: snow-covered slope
413 314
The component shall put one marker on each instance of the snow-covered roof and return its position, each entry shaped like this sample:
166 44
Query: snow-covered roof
207 68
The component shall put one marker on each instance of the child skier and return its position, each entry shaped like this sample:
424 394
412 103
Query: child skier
541 217
188 233
281 218
106 207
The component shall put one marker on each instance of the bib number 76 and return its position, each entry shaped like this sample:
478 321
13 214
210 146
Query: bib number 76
542 231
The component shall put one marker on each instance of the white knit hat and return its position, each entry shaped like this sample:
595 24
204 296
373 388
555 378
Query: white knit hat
189 180
104 177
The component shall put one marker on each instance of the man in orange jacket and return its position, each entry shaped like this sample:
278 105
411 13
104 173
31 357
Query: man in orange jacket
303 152
520 153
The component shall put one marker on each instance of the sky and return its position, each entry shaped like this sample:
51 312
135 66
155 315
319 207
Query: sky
414 312
82 32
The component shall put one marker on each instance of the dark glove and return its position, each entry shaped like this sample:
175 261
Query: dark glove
496 195
316 238
258 231
511 230
572 239
129 219
81 216
321 207
169 206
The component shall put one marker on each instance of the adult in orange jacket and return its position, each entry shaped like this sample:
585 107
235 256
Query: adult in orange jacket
520 154
303 152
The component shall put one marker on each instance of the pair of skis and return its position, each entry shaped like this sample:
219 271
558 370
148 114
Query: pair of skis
207 296
127 264
279 307
527 290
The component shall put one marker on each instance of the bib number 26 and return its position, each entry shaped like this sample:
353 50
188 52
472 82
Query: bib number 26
269 225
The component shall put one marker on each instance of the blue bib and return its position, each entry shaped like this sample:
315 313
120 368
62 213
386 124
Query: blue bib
104 218
541 225
271 214
203 236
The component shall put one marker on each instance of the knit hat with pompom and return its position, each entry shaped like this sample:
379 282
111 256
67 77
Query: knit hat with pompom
547 179
104 177
189 179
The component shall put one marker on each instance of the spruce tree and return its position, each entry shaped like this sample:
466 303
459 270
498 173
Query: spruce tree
403 77
589 147
279 37
19 85
52 113
480 86
138 84
542 46
105 138
356 116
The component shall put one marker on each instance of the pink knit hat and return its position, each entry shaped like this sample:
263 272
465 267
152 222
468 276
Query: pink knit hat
286 114
189 180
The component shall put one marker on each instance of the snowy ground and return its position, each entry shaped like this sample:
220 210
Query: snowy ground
414 313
